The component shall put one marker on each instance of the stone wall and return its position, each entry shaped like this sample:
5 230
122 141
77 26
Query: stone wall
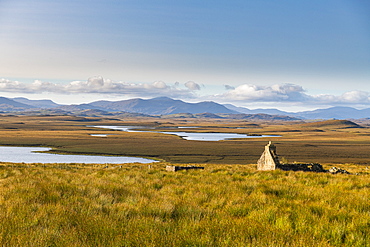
310 167
178 168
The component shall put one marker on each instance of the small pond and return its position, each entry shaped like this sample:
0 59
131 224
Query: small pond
32 155
187 135
99 135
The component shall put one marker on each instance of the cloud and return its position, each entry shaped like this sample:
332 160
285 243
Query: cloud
243 94
192 85
99 85
228 87
288 93
274 93
352 97
12 86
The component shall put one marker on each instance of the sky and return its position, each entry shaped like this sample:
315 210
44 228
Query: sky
291 55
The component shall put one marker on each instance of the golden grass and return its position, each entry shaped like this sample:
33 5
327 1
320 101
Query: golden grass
223 205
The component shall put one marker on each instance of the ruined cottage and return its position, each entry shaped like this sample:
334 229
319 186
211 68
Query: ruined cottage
269 159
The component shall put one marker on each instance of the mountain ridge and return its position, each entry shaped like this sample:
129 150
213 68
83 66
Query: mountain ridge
336 112
169 106
44 103
7 104
159 106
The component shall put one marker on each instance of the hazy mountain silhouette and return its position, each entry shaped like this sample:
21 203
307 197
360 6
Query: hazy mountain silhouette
337 112
167 106
12 105
45 103
158 106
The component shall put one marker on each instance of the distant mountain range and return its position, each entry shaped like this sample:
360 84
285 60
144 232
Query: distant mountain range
256 111
9 105
37 103
158 106
167 106
338 112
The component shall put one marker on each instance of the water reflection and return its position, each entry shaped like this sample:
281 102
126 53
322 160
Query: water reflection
187 135
31 155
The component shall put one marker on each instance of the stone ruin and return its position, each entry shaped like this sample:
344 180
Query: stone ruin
269 161
178 168
336 170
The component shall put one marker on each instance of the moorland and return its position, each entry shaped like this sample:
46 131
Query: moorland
330 141
222 205
229 203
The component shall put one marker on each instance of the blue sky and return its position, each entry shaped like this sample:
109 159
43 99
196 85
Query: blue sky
285 54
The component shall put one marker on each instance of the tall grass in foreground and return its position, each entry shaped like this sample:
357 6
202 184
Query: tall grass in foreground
218 206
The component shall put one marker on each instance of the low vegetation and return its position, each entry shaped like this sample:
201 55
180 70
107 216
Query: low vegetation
333 141
222 205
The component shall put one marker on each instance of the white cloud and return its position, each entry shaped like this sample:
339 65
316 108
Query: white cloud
99 85
288 94
12 86
352 97
35 87
274 93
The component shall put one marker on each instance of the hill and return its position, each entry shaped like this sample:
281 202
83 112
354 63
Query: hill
158 106
256 111
260 116
338 124
12 105
166 106
338 112
45 103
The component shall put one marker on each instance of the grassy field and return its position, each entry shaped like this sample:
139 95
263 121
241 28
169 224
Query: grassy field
228 203
324 142
222 205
